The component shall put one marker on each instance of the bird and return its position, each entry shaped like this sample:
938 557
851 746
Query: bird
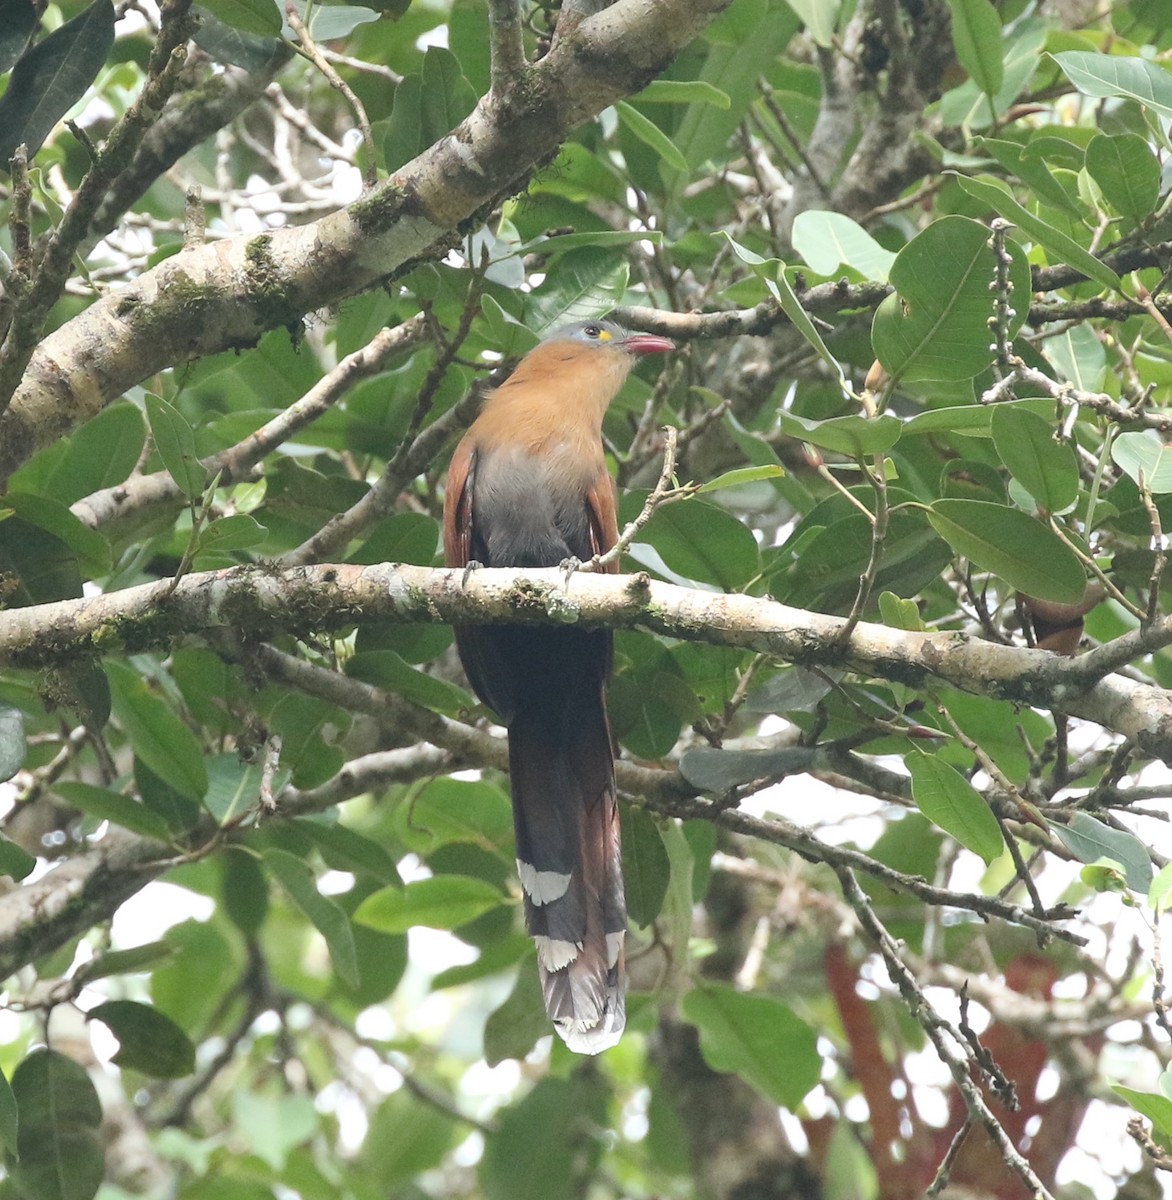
528 486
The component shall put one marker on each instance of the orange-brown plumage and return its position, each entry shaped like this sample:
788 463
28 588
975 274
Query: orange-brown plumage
528 486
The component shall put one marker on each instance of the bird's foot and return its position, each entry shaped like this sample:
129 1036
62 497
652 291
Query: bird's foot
470 566
568 566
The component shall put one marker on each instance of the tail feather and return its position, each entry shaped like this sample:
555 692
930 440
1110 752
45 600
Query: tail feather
569 858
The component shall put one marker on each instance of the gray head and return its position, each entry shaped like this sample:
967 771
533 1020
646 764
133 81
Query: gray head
608 334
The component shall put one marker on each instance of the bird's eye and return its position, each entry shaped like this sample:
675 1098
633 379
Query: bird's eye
591 331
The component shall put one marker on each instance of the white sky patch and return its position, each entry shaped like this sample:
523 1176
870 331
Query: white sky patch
148 914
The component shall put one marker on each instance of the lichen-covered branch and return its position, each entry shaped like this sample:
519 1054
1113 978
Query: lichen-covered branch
258 600
217 297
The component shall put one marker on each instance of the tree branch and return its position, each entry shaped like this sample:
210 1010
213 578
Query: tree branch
223 296
257 600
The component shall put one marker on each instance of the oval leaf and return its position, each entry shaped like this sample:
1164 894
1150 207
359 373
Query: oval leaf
158 736
52 77
442 902
1127 172
1143 455
646 868
327 916
948 800
148 1041
1008 542
934 327
760 1039
1046 469
58 1140
1090 840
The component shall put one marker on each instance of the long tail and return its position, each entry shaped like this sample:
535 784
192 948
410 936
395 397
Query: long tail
569 857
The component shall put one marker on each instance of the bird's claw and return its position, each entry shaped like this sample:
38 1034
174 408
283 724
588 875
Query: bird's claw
470 566
568 566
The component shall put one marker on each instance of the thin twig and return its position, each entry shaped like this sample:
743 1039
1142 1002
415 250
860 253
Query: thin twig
506 46
319 60
1158 547
943 1036
663 493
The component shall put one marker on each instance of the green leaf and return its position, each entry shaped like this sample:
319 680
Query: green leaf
853 435
820 18
546 1147
1090 840
646 869
1047 469
1078 356
827 240
702 542
249 16
388 670
1142 452
52 77
651 135
1031 170
1160 892
244 891
272 1125
15 861
403 538
1008 542
49 514
99 454
327 916
734 63
12 741
976 34
715 770
644 714
331 21
935 327
123 962
447 97
739 476
516 1026
105 805
58 1142
949 801
586 283
158 736
9 1117
148 1041
456 810
175 443
683 91
407 1136
345 849
18 23
757 1038
1102 75
772 274
1057 244
403 137
1127 172
900 613
234 786
1157 1108
442 902
236 532
227 45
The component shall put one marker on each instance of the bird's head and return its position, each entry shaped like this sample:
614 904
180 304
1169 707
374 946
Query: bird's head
610 335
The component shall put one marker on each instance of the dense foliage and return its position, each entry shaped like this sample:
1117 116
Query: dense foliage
890 693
